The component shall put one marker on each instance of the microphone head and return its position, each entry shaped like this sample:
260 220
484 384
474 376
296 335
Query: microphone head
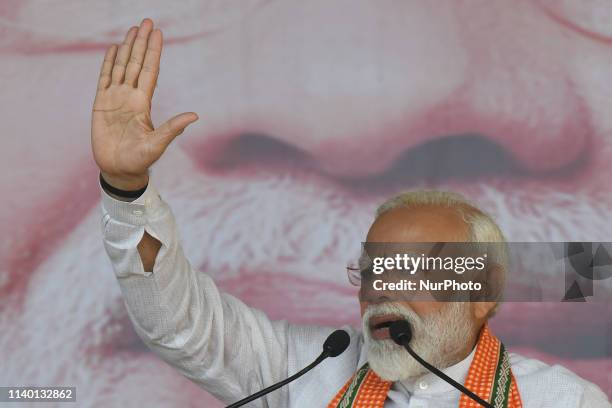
336 343
401 332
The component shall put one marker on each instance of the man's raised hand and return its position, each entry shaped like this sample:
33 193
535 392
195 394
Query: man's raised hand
124 142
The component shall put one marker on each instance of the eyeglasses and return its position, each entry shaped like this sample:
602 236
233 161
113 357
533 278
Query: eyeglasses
353 272
358 266
363 266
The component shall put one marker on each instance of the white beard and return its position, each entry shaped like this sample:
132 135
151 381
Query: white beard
438 338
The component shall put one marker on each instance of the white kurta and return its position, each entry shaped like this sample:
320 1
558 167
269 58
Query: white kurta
232 350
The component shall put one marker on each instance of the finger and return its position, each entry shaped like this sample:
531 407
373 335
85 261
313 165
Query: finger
107 67
150 67
123 55
166 133
138 52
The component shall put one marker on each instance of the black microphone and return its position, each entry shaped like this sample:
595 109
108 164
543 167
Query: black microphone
401 333
334 345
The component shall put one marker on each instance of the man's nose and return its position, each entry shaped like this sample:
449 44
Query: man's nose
352 96
363 88
349 93
361 85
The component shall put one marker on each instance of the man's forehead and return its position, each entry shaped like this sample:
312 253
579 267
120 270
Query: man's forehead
419 224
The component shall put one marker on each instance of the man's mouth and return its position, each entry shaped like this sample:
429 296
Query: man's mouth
379 326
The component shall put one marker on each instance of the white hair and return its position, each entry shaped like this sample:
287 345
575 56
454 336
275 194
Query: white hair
482 227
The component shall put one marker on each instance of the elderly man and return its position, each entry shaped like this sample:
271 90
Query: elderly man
232 350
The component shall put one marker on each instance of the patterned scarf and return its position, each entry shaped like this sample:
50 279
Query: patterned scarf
489 376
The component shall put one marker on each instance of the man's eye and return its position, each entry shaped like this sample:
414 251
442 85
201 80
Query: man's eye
590 17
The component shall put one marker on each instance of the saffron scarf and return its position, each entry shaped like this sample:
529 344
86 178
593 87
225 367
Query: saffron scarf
489 376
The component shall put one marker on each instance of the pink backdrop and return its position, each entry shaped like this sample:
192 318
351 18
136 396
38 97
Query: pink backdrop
311 113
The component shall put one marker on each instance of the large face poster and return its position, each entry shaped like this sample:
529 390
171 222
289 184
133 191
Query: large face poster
311 114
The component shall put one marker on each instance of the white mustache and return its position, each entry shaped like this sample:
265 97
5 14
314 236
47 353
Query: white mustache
390 308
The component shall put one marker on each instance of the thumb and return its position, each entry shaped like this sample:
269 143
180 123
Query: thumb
173 127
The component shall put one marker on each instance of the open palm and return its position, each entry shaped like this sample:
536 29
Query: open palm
124 141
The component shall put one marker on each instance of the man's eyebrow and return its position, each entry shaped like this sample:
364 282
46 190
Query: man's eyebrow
29 39
83 46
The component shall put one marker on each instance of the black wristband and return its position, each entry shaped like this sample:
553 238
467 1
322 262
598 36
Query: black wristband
121 193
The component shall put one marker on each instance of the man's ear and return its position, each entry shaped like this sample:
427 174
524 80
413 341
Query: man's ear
482 310
493 284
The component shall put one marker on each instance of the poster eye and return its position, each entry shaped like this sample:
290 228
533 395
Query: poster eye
590 17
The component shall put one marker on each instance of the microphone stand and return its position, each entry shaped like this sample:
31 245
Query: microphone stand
334 345
446 377
271 388
401 333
